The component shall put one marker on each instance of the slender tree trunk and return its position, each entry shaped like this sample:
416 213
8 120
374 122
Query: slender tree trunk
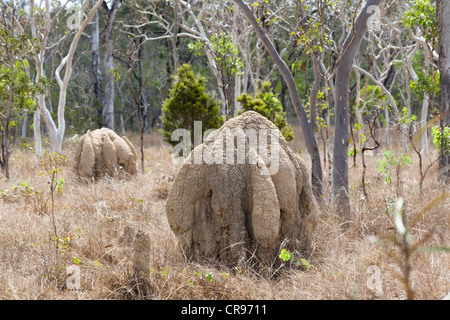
175 37
310 139
342 108
387 126
142 95
238 77
108 107
443 14
314 91
96 66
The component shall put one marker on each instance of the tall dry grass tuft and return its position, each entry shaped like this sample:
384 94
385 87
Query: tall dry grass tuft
91 217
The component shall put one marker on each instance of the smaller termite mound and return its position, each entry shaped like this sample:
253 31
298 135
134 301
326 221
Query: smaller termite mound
102 153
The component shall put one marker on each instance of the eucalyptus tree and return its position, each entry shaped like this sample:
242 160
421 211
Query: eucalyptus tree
43 18
342 107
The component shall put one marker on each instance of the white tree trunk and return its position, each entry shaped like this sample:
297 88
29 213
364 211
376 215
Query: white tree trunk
57 132
37 133
426 97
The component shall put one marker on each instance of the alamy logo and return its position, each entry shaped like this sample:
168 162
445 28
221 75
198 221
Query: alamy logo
74 20
374 280
374 22
73 280
230 147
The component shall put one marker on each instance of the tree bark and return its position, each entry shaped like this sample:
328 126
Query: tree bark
175 37
108 107
342 108
443 14
96 67
314 91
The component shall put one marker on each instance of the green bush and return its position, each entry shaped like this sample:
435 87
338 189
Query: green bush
267 104
188 101
437 138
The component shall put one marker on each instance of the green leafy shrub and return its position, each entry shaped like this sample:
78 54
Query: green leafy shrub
437 138
188 101
287 256
228 64
267 104
423 15
391 165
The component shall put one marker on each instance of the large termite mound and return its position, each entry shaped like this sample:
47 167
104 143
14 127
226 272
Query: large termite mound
241 193
102 152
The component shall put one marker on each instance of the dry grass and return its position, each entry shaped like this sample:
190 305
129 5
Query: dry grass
94 215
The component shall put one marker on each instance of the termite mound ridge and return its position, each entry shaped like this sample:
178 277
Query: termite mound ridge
229 213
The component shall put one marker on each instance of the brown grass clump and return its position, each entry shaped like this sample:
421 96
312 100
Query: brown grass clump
90 218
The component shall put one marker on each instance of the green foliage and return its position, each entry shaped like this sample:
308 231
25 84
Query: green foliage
321 105
116 74
390 205
423 15
22 190
437 139
374 99
188 101
391 164
14 51
24 90
227 60
267 104
287 256
311 37
52 165
426 83
17 90
405 118
356 129
226 54
76 260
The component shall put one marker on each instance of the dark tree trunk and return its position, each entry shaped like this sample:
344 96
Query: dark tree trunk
342 108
